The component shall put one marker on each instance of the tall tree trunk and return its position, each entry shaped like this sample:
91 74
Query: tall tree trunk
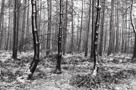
113 40
78 32
40 31
81 27
8 38
88 28
1 22
56 28
58 66
93 22
27 32
117 30
129 39
65 29
36 44
23 27
126 26
102 28
105 36
96 28
110 48
134 30
72 29
122 35
49 2
16 28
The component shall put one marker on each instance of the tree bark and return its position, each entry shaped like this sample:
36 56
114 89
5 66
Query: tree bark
21 48
65 29
93 25
81 27
27 32
58 66
16 28
72 29
55 43
49 2
88 28
1 22
110 48
36 44
96 28
8 38
102 28
134 30
117 30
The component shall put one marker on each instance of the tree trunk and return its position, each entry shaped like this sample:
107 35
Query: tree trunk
72 29
8 38
110 48
93 19
81 27
1 21
23 28
96 28
117 30
102 28
36 45
56 28
122 35
134 30
134 52
126 26
65 29
58 66
88 28
49 2
16 28
27 32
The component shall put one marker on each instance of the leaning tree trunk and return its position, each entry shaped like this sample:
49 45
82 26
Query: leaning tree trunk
58 66
35 61
95 53
134 30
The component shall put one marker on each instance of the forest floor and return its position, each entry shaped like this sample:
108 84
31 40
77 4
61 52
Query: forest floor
117 72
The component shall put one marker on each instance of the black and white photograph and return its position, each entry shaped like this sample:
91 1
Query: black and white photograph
67 44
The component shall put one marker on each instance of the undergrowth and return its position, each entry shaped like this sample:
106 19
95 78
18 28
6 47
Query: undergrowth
103 79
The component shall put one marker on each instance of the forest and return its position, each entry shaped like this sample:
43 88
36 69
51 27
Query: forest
67 45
